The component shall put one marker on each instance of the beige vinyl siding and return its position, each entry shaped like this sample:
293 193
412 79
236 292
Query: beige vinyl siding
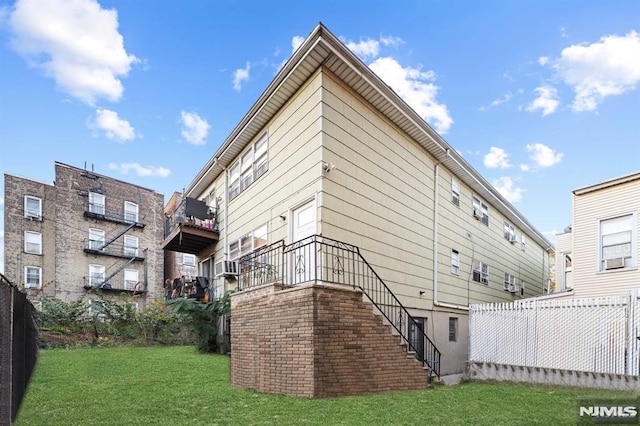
459 230
588 209
294 155
380 196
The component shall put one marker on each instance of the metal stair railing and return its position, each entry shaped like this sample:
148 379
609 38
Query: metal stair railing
321 259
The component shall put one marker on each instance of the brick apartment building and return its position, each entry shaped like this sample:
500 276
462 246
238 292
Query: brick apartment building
84 231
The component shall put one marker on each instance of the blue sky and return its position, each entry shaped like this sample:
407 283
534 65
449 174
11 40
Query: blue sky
541 97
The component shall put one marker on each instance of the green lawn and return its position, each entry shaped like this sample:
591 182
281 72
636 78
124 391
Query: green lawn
177 386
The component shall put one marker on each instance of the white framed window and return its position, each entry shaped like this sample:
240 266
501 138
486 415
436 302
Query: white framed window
96 275
248 242
252 164
523 242
567 271
130 212
509 281
130 245
480 210
617 243
455 192
96 238
130 279
455 262
234 181
480 272
509 232
32 242
32 207
96 203
32 277
188 259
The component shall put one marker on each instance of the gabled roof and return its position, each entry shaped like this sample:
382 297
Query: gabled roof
607 183
322 48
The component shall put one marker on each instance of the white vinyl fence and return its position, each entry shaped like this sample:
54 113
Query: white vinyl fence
593 335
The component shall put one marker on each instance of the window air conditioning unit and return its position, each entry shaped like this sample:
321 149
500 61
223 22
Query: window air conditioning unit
512 239
512 288
477 214
226 268
615 263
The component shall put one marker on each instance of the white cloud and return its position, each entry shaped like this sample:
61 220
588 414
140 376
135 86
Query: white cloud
547 100
76 43
1 233
240 76
113 126
296 41
595 71
391 41
1 202
497 158
147 171
368 48
195 129
525 167
542 155
506 186
506 98
543 60
416 88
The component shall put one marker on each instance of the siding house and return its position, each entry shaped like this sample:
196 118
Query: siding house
85 231
332 161
598 253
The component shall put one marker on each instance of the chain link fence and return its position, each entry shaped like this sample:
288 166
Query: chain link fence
18 348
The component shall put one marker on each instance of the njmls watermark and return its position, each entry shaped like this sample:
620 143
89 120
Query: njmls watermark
608 411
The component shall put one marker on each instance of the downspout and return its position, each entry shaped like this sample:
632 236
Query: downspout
226 222
436 192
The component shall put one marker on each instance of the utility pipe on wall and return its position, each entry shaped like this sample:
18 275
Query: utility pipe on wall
436 192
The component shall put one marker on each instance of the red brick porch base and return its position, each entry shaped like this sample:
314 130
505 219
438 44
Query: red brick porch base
316 340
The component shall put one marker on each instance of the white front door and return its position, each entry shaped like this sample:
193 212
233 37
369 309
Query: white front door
302 258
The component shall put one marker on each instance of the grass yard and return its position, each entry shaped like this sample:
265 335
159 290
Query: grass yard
177 386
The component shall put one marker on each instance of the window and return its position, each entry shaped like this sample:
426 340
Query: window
509 282
251 165
130 279
32 207
617 243
455 262
96 238
96 203
455 192
453 329
188 259
480 272
523 242
509 232
130 212
248 242
130 245
96 275
32 277
234 181
480 211
568 272
32 242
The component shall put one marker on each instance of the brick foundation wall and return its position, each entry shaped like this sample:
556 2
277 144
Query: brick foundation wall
316 341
